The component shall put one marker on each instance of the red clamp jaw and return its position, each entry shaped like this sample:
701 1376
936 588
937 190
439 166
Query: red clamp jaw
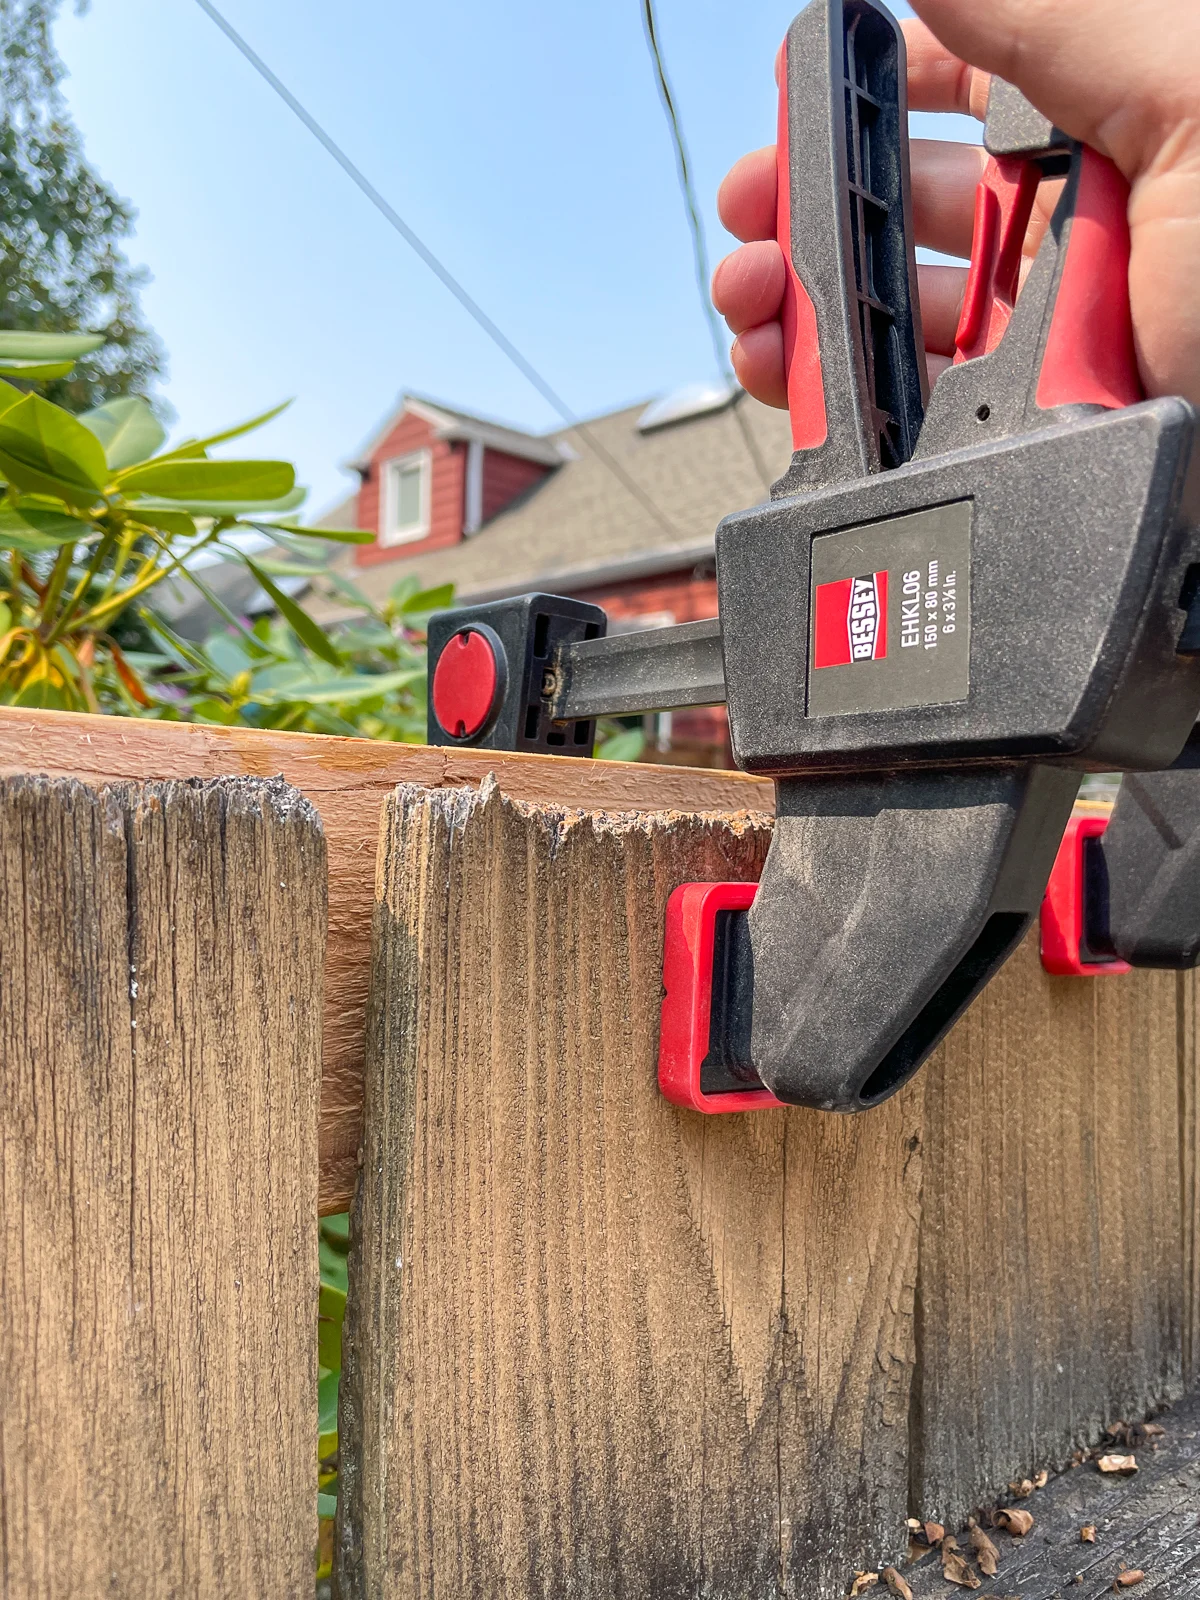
1064 920
685 1038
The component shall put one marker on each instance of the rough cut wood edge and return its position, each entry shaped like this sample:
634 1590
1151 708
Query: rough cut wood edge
597 1345
159 1075
1051 1299
346 779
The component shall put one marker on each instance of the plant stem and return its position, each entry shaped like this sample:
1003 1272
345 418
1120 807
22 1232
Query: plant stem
58 577
81 588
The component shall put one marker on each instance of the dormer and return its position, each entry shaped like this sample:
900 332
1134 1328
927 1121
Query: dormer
432 477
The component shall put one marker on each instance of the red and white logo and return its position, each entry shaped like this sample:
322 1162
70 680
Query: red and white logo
851 621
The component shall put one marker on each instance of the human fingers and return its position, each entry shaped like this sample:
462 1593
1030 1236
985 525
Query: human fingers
1114 73
939 80
945 177
1119 75
747 287
941 291
746 198
757 357
757 352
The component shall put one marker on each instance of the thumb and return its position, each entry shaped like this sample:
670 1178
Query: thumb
1118 74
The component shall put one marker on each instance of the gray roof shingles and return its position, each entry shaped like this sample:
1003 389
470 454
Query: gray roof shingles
583 522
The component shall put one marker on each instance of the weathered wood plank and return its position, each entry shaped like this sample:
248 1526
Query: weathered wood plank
346 779
159 1081
1051 1284
598 1346
1149 1522
1189 1167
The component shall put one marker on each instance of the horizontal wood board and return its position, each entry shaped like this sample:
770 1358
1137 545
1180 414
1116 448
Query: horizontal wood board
346 779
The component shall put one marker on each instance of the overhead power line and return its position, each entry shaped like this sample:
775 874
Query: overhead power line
442 272
699 248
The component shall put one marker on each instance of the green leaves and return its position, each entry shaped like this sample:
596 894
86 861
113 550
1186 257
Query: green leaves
625 745
336 535
46 450
327 1415
127 429
43 356
189 449
9 396
21 346
33 530
233 509
350 689
209 480
329 1326
175 524
428 600
36 371
301 624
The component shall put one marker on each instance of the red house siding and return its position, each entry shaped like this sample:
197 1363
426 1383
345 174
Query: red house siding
504 478
686 596
447 489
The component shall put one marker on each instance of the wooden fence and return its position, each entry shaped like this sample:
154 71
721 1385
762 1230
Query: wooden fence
595 1346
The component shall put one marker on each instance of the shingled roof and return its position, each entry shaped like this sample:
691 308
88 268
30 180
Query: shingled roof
582 526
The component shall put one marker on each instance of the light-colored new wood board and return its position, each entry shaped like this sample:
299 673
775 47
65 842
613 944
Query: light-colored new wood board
159 1077
597 1345
346 779
1051 1298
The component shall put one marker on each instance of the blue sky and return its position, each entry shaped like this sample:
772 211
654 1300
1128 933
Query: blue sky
524 142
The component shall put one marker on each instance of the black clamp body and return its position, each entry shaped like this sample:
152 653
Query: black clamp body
524 637
1142 878
950 609
928 657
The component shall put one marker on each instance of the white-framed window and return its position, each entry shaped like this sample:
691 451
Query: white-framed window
405 498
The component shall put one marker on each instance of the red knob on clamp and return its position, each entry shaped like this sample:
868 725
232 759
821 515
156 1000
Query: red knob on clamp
468 682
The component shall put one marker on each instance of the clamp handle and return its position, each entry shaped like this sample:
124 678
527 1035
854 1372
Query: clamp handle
1068 339
853 348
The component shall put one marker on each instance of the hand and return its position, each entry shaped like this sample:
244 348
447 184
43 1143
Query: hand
1119 74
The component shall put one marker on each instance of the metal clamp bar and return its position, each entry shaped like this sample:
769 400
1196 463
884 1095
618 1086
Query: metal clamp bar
658 669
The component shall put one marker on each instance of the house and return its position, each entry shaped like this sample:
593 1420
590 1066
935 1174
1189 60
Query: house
620 511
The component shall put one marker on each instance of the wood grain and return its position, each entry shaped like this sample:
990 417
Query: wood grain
598 1346
159 1076
1189 1167
346 779
1051 1296
1150 1521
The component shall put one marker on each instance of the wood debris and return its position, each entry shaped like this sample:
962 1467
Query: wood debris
896 1583
1117 1463
956 1570
1131 1434
1127 1578
986 1555
1014 1521
862 1582
1087 1534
